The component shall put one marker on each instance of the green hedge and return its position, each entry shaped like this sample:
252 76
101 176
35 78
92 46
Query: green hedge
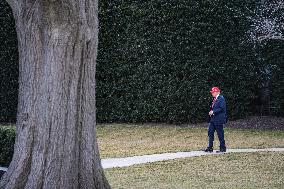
274 58
8 65
158 59
7 140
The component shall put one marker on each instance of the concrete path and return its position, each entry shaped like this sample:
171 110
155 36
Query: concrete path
128 161
3 169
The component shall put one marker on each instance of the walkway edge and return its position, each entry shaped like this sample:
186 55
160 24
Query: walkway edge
135 160
3 169
128 161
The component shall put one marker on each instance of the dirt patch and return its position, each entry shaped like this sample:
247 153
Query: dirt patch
255 122
252 122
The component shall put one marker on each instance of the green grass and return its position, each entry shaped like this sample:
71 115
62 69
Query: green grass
239 170
232 171
121 140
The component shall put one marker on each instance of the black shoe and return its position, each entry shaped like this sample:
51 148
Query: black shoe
208 149
221 150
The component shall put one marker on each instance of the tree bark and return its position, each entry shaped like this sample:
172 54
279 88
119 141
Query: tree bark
56 144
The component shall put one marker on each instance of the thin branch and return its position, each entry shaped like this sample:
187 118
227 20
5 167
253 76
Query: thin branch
267 24
268 37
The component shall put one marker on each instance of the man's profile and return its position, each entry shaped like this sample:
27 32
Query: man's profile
217 119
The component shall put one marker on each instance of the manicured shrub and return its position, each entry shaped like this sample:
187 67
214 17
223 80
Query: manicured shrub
157 61
8 65
7 140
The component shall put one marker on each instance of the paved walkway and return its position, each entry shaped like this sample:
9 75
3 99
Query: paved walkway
3 169
128 161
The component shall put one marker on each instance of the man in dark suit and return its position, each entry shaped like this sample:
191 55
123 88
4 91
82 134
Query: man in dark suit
217 119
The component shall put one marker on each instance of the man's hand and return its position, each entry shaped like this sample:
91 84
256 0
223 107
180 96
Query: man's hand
211 113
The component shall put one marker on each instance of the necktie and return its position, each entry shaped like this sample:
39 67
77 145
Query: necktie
214 100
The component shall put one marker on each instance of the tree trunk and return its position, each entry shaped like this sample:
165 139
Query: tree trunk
56 144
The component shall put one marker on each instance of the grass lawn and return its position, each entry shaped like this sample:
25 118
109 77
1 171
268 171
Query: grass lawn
121 140
239 170
235 170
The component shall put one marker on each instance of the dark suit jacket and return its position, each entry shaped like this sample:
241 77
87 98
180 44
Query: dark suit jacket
219 116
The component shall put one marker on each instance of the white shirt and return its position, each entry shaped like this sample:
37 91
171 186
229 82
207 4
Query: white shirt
217 96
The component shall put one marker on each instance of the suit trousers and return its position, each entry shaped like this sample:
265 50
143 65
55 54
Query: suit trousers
220 132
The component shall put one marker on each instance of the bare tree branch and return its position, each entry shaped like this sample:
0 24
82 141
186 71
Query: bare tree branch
268 37
267 24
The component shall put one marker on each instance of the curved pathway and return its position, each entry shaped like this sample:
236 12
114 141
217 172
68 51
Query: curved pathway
128 161
3 169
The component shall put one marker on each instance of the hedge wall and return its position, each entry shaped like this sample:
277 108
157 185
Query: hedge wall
274 59
7 140
158 60
8 64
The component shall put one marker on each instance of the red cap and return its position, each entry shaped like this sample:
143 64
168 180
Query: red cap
215 89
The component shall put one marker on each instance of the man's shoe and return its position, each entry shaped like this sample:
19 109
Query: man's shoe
208 149
221 150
